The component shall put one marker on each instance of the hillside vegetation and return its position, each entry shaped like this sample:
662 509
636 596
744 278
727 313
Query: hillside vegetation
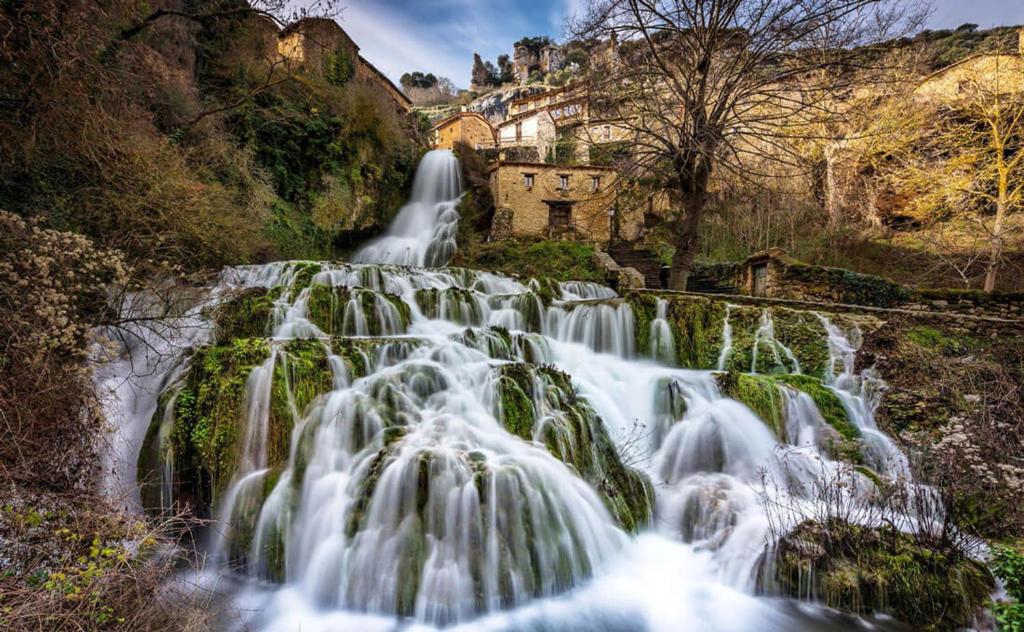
183 143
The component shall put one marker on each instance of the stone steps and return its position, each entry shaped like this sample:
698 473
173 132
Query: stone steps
643 261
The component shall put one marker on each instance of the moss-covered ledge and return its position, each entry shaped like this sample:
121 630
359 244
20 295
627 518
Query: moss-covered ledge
866 571
574 434
762 395
698 327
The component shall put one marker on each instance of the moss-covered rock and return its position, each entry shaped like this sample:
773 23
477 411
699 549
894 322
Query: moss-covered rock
829 405
867 571
348 312
209 418
301 372
247 313
457 304
760 393
696 324
573 433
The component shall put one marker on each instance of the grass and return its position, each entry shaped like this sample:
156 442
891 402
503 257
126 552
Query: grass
560 260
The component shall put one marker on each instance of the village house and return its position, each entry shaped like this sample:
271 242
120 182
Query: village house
540 199
469 128
311 42
993 72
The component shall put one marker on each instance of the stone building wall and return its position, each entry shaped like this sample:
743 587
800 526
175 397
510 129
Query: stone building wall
310 43
526 211
465 127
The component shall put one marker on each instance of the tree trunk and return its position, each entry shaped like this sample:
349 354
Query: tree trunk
996 245
693 192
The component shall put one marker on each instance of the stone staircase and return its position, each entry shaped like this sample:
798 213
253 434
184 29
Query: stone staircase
644 261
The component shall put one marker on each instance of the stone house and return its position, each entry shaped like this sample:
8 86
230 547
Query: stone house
535 101
309 44
995 72
543 123
470 128
539 199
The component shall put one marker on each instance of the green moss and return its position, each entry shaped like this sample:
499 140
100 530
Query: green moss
327 307
246 314
304 273
515 387
301 372
933 339
804 334
828 403
547 289
574 434
561 260
696 324
456 303
760 394
866 571
846 286
209 413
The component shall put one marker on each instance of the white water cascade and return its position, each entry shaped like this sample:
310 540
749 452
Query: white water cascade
411 491
423 232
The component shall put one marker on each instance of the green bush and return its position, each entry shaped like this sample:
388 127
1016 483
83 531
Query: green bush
1008 565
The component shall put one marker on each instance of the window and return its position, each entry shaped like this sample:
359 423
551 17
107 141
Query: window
559 215
607 132
528 180
595 183
563 182
519 131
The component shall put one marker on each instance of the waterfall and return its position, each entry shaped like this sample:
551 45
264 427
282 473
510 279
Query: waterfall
423 232
662 343
439 447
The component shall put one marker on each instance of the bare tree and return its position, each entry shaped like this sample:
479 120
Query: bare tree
968 162
704 85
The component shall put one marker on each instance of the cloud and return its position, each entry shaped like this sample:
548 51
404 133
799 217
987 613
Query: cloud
440 36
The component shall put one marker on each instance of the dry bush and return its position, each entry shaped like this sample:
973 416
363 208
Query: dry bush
79 140
55 288
954 401
72 562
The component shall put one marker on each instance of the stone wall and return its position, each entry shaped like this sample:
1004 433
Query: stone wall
310 43
466 127
790 279
529 206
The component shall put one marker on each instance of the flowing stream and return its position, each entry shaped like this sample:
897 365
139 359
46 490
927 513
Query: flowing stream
413 492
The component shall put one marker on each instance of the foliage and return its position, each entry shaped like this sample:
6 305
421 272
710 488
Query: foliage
561 260
534 44
964 160
951 399
1007 564
339 68
55 289
113 134
75 563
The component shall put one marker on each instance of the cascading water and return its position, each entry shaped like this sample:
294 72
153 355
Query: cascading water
423 232
444 447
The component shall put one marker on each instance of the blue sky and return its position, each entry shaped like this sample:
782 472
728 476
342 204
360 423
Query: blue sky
440 36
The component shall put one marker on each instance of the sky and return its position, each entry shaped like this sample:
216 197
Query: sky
440 36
